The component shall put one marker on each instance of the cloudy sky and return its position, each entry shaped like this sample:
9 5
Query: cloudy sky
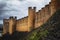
18 8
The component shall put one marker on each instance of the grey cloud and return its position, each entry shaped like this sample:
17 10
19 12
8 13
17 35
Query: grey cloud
22 0
2 5
1 21
1 18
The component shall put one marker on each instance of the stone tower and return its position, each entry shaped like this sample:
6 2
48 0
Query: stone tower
5 26
55 5
12 24
9 25
31 18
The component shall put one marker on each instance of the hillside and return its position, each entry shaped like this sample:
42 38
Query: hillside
48 31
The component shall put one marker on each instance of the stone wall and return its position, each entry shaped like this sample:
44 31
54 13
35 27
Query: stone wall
22 24
5 24
9 25
34 19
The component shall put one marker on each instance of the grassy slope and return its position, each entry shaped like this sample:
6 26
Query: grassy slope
49 31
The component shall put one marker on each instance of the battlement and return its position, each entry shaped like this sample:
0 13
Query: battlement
11 17
30 8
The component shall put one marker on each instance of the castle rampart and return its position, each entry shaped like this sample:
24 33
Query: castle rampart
33 20
22 25
5 24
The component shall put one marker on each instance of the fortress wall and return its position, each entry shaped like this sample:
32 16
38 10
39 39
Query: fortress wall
5 26
18 24
22 24
39 18
47 12
42 16
37 23
36 20
39 14
54 6
58 4
50 8
27 23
